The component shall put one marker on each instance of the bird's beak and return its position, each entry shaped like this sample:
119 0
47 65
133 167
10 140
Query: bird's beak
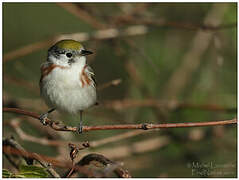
85 52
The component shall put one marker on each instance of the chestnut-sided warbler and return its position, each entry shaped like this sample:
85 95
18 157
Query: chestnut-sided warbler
67 82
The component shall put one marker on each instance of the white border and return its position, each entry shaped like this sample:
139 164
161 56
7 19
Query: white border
112 1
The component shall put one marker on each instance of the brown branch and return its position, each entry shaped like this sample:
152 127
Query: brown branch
11 143
52 161
145 126
156 126
27 49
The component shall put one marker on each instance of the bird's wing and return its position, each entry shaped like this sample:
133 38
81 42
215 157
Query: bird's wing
89 71
44 68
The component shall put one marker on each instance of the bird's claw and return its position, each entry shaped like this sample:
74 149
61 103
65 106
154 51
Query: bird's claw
80 129
43 118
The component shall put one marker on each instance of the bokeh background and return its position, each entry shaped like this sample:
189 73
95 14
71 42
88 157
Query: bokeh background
170 62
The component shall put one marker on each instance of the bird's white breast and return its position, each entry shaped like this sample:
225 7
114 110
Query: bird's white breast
62 89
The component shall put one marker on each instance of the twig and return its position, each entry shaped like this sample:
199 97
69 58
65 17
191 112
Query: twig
73 153
71 171
145 126
75 149
115 82
116 138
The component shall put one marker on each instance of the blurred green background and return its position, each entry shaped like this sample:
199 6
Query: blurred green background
186 56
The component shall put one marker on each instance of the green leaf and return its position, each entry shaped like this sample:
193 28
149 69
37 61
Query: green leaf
6 173
32 172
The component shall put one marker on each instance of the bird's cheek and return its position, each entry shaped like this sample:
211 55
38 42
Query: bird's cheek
71 61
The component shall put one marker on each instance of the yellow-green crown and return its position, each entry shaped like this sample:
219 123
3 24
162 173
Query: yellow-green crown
69 44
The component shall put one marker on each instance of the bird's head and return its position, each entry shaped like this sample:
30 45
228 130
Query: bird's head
67 52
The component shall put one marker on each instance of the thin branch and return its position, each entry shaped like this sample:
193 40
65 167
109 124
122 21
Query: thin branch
116 138
114 82
156 126
145 126
27 49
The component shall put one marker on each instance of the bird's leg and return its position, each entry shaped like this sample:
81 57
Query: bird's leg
80 127
44 116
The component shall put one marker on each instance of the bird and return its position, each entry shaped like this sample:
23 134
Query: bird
67 82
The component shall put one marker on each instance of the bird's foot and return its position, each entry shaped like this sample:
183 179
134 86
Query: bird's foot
80 129
43 118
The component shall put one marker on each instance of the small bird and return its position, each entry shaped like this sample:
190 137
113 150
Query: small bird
67 83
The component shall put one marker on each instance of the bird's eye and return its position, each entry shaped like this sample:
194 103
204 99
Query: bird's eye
69 55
